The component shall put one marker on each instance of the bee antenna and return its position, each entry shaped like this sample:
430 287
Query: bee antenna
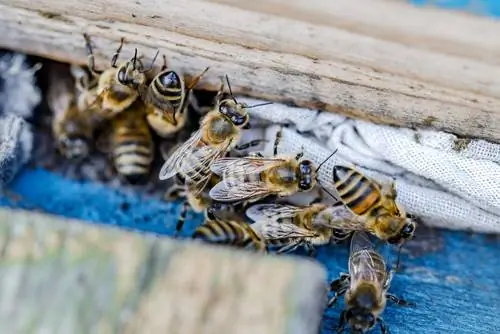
230 90
134 60
152 62
259 105
326 191
321 164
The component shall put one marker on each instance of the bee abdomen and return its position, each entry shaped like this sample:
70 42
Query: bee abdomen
168 88
356 191
220 232
133 158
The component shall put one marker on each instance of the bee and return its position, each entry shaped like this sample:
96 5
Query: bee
199 202
130 142
287 227
231 233
71 128
375 204
117 86
255 177
166 99
220 131
365 287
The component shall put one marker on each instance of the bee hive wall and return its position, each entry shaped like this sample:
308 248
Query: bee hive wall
376 59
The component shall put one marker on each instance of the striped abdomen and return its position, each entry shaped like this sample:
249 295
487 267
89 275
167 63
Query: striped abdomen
356 191
229 233
166 90
133 149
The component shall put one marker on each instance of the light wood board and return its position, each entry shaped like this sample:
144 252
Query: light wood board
381 60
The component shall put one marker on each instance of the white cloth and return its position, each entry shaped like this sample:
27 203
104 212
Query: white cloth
446 181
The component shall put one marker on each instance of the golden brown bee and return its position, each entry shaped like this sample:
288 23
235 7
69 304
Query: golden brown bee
219 132
199 202
287 227
365 287
167 100
71 128
230 233
118 86
130 143
375 204
255 177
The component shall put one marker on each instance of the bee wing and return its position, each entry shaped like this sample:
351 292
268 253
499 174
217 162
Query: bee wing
242 166
232 190
366 264
272 211
340 217
173 164
276 230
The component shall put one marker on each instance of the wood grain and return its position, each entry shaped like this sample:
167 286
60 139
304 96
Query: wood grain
381 60
63 276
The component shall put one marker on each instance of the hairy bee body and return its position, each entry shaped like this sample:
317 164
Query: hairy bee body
365 287
253 178
375 204
287 227
220 131
117 86
114 97
72 128
131 142
163 124
236 234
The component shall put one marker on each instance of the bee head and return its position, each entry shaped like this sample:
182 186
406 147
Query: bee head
405 233
234 112
360 319
74 147
132 73
306 175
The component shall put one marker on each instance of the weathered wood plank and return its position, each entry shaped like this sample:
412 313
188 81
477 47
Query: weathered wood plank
63 276
381 60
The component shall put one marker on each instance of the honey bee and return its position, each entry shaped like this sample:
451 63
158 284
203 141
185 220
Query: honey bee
365 287
231 233
255 177
117 86
287 227
375 204
166 99
219 132
130 143
71 128
199 202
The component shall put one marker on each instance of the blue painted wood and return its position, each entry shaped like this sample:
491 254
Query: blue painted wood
479 7
455 286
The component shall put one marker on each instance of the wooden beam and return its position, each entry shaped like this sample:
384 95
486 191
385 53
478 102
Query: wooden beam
68 277
381 60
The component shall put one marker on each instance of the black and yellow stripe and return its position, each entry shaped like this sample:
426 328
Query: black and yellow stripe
356 191
167 87
228 233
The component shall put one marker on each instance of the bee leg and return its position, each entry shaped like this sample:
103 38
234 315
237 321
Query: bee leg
311 251
339 286
383 326
398 301
388 190
342 321
277 141
300 154
90 56
193 102
250 144
117 53
182 219
196 79
174 192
